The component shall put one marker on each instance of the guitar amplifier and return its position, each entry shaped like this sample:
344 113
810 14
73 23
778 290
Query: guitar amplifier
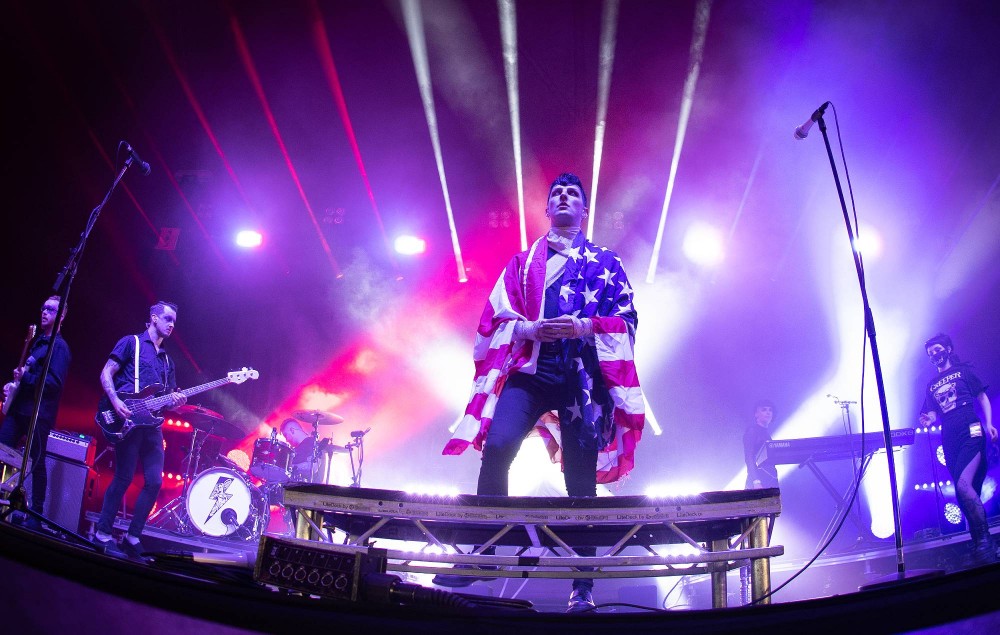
65 487
72 446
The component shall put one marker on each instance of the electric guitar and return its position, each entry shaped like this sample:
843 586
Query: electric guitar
145 405
9 399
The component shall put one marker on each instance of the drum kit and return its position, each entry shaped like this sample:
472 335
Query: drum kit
222 501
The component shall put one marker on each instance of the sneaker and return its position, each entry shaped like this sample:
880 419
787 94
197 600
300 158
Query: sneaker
134 551
455 580
104 546
581 600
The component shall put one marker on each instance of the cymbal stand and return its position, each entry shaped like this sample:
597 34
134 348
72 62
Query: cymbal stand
359 443
175 509
314 460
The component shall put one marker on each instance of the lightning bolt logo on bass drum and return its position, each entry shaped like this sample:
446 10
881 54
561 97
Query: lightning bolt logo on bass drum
220 494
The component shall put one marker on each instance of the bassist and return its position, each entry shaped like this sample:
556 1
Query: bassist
130 368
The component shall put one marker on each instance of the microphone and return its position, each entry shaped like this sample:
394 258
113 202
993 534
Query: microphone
803 131
228 517
357 434
143 166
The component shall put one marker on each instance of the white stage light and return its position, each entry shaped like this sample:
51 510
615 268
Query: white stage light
249 239
703 245
410 245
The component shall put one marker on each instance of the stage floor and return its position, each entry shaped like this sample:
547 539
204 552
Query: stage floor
830 575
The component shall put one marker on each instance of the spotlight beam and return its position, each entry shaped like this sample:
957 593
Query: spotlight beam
251 70
99 47
746 194
508 34
418 49
199 112
609 28
322 42
701 16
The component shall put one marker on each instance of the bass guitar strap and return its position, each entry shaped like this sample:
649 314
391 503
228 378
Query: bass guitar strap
136 375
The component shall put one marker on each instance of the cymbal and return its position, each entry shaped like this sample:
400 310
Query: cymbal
208 420
317 417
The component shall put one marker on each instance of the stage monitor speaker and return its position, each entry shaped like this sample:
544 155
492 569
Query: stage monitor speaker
63 492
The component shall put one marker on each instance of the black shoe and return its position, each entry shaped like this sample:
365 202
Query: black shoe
983 553
581 600
454 580
134 551
104 546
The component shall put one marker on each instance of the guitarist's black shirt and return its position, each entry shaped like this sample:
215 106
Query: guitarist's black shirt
24 401
154 368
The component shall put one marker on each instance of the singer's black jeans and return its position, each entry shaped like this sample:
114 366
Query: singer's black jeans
523 400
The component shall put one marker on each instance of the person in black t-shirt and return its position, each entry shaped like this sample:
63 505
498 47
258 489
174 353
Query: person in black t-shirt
122 372
950 399
754 438
18 419
303 464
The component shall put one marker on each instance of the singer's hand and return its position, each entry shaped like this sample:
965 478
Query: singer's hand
928 418
558 328
19 372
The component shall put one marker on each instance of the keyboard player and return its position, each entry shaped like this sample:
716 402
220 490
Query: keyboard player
755 436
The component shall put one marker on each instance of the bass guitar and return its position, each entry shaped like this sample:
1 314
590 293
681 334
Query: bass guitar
9 398
146 404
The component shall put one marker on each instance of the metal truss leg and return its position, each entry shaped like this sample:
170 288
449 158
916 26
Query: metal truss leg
760 568
720 589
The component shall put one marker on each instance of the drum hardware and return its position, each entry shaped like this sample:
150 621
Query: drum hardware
272 460
358 443
175 508
224 503
225 461
206 423
320 462
317 417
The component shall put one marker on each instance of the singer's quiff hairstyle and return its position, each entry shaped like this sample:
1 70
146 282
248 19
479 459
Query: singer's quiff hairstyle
568 178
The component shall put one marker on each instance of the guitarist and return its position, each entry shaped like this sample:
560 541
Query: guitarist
143 443
15 425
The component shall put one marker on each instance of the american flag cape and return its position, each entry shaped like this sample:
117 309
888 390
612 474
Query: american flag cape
593 285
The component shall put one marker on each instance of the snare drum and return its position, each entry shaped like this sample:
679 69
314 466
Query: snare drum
272 460
222 502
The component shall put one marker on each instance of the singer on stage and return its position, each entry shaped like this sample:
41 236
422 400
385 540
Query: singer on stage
557 335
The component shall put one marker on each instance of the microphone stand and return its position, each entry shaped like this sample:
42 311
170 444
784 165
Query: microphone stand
877 364
64 281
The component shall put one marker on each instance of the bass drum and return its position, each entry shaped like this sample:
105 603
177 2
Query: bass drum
223 503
